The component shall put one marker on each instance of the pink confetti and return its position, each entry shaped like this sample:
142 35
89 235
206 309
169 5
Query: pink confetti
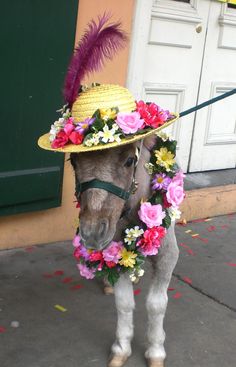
198 220
187 280
225 226
231 264
67 280
76 287
30 249
58 272
205 240
2 329
137 291
187 248
177 295
48 276
211 228
171 289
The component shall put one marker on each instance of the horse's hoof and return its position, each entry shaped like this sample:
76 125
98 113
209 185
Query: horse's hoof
153 362
108 290
117 360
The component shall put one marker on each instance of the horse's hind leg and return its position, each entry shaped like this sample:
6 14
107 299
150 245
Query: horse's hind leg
157 299
124 298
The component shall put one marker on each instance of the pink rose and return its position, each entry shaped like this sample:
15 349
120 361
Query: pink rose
129 122
151 215
150 242
86 272
113 252
175 193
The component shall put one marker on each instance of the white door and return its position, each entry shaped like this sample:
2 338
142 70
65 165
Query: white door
168 66
214 138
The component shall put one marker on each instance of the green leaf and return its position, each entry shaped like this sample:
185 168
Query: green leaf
113 276
98 125
167 221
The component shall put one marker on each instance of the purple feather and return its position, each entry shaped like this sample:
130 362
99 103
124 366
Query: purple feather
97 44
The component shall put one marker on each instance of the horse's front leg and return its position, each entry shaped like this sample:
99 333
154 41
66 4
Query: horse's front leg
124 298
157 299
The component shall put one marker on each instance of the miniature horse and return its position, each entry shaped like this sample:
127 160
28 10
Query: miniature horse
103 217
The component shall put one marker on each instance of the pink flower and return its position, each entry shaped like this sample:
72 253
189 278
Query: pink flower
150 242
113 252
76 138
129 122
175 191
86 272
151 215
61 140
76 241
69 127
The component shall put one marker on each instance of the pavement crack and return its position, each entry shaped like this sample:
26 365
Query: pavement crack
199 290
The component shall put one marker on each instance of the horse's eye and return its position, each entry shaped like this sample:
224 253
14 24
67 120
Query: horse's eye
129 162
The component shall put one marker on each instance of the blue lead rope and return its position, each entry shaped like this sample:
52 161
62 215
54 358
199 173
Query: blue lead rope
210 101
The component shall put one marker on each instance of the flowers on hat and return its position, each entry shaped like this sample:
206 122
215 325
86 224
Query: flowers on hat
155 216
106 125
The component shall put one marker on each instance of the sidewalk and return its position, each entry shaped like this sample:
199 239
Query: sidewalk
200 322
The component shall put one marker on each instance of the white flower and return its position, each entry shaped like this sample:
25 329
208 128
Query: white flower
164 136
132 234
117 138
132 277
107 135
92 141
141 272
149 167
66 114
115 127
174 213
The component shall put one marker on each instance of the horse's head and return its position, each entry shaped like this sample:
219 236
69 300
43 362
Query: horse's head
100 210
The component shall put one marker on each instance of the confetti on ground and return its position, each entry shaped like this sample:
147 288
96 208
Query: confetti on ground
188 231
58 272
177 295
205 240
187 280
195 235
225 226
187 248
171 289
15 324
198 220
211 228
137 291
47 275
231 264
30 249
67 280
76 287
2 329
60 308
207 219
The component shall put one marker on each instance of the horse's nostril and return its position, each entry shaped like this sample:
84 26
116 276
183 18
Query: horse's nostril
103 226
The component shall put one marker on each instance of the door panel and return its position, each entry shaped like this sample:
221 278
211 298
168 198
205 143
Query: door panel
214 139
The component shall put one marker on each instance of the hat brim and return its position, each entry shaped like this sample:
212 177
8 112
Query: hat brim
45 143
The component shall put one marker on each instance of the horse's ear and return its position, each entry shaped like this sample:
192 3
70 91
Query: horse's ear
150 141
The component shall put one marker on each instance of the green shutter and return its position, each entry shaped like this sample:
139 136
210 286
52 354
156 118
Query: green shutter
37 39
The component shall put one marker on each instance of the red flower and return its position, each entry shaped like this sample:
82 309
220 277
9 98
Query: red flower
166 203
95 256
152 114
77 253
61 140
110 264
76 138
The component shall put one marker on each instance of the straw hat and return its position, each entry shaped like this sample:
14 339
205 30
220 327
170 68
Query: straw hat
101 116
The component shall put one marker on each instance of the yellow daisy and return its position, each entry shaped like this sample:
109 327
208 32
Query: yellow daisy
164 158
107 114
128 258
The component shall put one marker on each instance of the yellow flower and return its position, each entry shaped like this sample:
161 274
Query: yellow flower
107 114
164 158
128 258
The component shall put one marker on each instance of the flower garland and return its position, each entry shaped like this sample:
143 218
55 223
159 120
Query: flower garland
106 125
155 214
